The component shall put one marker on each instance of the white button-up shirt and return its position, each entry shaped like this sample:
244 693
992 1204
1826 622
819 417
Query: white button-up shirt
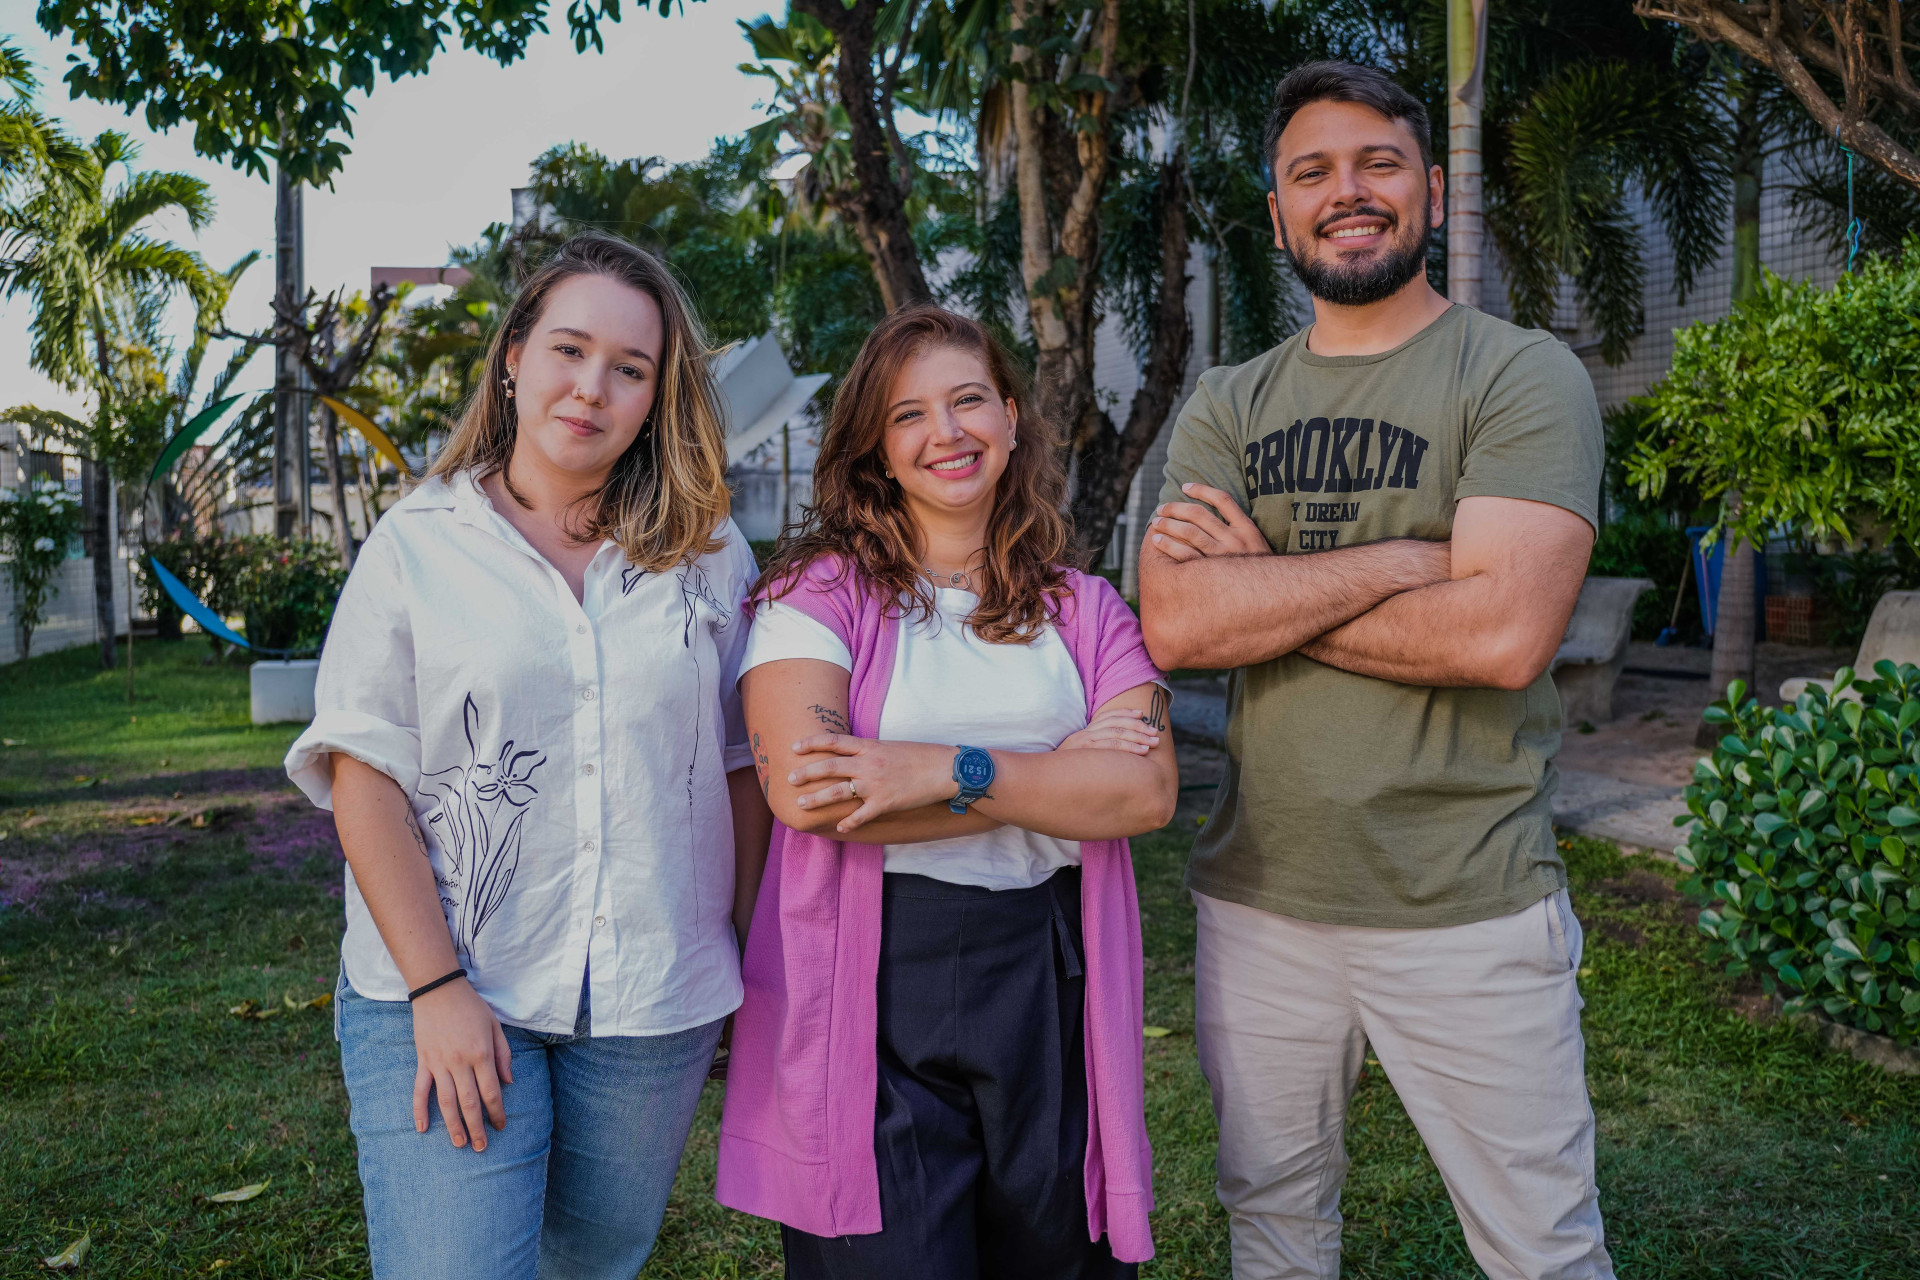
566 760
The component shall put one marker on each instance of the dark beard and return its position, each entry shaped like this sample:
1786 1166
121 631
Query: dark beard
1365 283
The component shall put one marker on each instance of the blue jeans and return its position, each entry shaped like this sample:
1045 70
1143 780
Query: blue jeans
572 1189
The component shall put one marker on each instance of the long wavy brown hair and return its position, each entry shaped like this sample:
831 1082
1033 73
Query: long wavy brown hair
859 516
666 497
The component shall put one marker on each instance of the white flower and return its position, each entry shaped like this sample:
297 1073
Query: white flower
43 544
8 495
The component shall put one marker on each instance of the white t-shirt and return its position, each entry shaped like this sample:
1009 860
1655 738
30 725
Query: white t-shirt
950 686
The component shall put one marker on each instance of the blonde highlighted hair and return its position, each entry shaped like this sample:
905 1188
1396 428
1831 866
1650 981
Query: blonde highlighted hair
666 497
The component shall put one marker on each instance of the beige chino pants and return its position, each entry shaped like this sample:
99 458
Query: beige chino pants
1477 1027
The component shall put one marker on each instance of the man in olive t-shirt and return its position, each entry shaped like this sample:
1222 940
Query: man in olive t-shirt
1381 527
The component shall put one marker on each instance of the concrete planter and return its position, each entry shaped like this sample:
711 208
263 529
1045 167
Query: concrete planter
283 690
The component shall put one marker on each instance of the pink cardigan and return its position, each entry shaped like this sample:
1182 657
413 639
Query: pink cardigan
796 1135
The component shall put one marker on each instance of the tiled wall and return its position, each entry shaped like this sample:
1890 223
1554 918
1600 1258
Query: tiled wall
1784 249
70 614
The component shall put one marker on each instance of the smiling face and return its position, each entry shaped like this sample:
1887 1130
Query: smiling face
949 432
586 376
1354 206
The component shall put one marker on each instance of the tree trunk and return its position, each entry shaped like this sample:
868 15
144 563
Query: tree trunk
103 557
336 486
1466 231
876 204
1061 165
1749 154
1732 631
99 473
1737 609
291 514
1108 459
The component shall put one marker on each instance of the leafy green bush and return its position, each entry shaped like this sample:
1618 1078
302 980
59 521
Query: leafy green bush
210 565
1803 401
286 590
1795 844
37 526
1643 545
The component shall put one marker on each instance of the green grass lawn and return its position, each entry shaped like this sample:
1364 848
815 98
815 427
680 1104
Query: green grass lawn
128 1093
76 729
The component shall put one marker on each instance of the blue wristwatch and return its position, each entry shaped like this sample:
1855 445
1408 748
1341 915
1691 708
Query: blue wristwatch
973 770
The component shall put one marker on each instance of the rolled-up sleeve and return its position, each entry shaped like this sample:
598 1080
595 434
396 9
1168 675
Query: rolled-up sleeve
366 704
732 644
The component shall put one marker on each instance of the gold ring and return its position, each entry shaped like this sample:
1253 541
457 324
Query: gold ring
851 790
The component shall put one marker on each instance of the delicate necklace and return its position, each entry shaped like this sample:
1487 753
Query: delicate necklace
958 579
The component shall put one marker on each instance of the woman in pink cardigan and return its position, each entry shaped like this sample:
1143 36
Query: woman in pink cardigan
937 1068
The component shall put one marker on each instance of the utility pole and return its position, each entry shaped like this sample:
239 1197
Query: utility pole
1466 94
292 499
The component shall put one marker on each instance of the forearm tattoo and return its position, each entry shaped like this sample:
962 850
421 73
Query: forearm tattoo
830 718
762 766
1158 708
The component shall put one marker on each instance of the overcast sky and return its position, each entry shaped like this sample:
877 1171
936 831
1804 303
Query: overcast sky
434 156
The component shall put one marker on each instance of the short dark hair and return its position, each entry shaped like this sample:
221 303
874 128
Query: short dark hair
1343 82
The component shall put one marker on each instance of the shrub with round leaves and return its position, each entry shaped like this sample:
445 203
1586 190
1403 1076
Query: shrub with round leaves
1803 844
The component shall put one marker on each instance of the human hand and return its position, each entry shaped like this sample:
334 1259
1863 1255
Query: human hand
886 777
1188 530
463 1057
1114 729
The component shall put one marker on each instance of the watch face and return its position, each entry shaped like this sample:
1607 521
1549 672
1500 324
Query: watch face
975 769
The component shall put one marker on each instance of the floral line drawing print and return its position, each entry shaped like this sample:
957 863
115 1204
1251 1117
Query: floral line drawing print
694 586
481 806
630 577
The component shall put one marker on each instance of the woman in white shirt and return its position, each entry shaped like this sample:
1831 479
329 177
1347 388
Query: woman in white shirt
528 732
937 1067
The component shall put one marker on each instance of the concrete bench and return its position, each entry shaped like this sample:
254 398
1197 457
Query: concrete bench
1587 664
1893 633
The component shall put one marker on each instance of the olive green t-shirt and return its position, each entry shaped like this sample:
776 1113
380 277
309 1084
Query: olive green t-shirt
1354 800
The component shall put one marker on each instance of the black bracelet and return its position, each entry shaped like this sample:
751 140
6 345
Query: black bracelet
417 992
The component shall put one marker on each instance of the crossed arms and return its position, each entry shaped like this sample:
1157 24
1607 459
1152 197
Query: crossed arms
1116 777
1485 610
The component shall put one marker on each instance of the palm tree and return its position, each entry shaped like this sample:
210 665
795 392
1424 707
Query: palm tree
29 142
95 277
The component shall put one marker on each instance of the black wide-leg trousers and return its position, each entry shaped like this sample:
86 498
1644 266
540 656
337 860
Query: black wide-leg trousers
980 1129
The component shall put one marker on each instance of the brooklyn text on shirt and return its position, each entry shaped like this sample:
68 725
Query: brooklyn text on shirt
1334 455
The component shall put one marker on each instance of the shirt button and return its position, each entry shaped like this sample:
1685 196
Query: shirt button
588 771
589 846
599 922
587 694
579 631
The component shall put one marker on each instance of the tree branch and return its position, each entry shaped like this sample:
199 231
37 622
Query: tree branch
1785 39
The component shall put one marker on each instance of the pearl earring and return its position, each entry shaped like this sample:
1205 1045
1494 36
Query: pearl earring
507 382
